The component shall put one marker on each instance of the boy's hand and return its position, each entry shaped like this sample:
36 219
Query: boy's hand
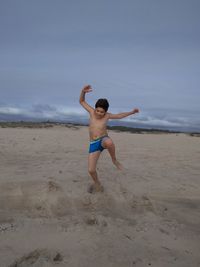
136 110
87 89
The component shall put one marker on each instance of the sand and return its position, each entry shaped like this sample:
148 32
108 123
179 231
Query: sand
148 215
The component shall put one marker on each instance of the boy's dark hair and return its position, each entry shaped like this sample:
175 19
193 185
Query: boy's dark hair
102 103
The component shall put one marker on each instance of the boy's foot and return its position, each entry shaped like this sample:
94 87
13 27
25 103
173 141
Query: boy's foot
99 188
118 165
95 188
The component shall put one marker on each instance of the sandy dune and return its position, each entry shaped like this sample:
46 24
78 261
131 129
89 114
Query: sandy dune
149 214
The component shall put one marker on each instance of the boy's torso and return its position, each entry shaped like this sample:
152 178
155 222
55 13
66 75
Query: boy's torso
97 127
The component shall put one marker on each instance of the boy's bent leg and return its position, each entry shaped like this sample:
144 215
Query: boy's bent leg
108 144
92 163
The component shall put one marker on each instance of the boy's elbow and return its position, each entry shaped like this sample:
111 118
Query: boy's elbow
82 102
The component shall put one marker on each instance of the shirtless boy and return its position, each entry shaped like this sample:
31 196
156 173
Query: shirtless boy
99 139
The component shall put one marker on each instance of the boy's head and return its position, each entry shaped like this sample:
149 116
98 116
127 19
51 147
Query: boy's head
101 106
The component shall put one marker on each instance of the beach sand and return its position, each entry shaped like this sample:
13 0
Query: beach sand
148 215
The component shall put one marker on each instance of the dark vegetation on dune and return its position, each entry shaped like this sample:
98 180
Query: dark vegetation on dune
49 124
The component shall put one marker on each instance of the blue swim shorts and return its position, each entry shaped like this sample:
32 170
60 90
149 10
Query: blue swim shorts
96 145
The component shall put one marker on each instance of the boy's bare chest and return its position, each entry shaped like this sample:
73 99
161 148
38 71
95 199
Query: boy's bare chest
98 123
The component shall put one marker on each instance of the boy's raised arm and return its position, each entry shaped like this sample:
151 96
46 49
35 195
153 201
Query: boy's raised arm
84 104
123 114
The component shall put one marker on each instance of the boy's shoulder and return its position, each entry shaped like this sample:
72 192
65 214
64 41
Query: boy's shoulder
108 115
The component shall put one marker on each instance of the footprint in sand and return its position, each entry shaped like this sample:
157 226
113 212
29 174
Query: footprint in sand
141 204
38 258
6 227
92 220
53 186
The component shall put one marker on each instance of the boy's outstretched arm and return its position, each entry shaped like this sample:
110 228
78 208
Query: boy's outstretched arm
123 114
84 104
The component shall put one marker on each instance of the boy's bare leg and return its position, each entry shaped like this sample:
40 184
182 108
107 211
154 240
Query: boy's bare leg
108 143
92 163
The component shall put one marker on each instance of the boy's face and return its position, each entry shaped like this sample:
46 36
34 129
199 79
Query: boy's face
100 112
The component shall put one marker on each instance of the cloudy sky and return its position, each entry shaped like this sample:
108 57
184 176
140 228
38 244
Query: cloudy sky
136 53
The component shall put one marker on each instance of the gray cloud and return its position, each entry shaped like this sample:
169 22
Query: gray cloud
148 119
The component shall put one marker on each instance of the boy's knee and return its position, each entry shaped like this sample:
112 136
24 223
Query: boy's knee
108 143
91 171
